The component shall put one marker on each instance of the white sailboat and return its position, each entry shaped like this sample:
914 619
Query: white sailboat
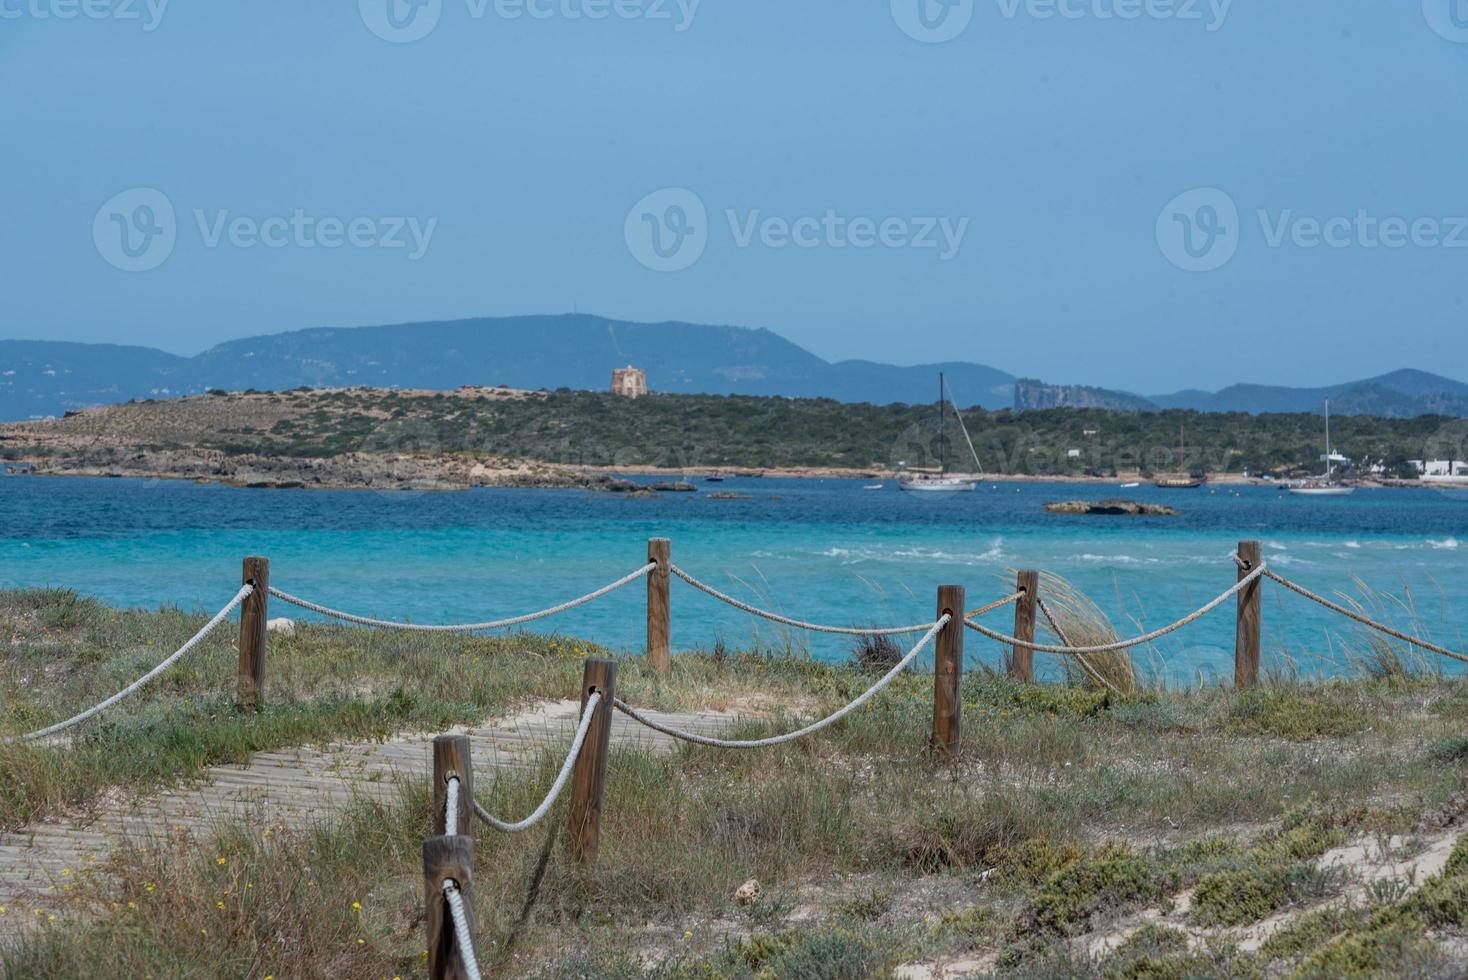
1328 486
941 481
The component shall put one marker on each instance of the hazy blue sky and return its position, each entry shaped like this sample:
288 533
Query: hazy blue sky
989 180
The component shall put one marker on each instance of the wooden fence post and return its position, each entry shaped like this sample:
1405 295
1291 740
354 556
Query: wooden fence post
1022 659
588 778
451 757
948 671
254 613
1250 617
659 614
446 858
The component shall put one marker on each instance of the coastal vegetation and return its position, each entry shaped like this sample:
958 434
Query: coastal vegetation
573 429
1302 829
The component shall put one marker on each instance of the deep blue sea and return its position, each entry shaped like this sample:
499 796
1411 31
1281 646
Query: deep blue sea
824 550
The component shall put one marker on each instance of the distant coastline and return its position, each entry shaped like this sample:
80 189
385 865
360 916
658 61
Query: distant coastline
386 439
449 476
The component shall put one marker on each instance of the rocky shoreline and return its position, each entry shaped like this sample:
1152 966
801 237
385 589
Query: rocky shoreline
379 471
372 471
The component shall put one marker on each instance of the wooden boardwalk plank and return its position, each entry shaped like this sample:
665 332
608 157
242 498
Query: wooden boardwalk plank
293 787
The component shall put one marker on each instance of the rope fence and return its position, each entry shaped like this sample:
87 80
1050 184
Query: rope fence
826 722
587 714
1157 634
775 617
496 624
1090 671
461 929
1363 619
448 856
168 662
659 568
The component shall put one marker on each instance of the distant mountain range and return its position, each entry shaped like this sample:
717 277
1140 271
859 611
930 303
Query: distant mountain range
1399 395
40 378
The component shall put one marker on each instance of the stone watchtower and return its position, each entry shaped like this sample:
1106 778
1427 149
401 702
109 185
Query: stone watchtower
629 382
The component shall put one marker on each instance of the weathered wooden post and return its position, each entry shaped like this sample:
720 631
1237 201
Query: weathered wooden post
659 627
948 671
1250 618
447 859
254 613
1022 659
451 758
588 778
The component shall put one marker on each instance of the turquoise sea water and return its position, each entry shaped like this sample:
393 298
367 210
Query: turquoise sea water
824 550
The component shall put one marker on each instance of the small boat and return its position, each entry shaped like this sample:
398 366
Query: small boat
1130 486
1315 488
874 486
940 480
1180 481
714 478
930 483
1328 486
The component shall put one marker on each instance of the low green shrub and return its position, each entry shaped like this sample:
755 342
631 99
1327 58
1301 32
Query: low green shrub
1283 713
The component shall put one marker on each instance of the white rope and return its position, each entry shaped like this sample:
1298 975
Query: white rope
451 808
1121 644
1365 620
461 928
561 779
830 719
786 620
462 627
193 641
1059 632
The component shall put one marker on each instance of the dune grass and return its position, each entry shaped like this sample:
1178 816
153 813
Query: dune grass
1068 810
324 683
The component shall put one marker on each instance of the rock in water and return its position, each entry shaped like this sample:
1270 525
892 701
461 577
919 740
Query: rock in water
1110 507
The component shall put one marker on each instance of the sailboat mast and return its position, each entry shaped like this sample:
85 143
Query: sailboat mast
942 429
1329 463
